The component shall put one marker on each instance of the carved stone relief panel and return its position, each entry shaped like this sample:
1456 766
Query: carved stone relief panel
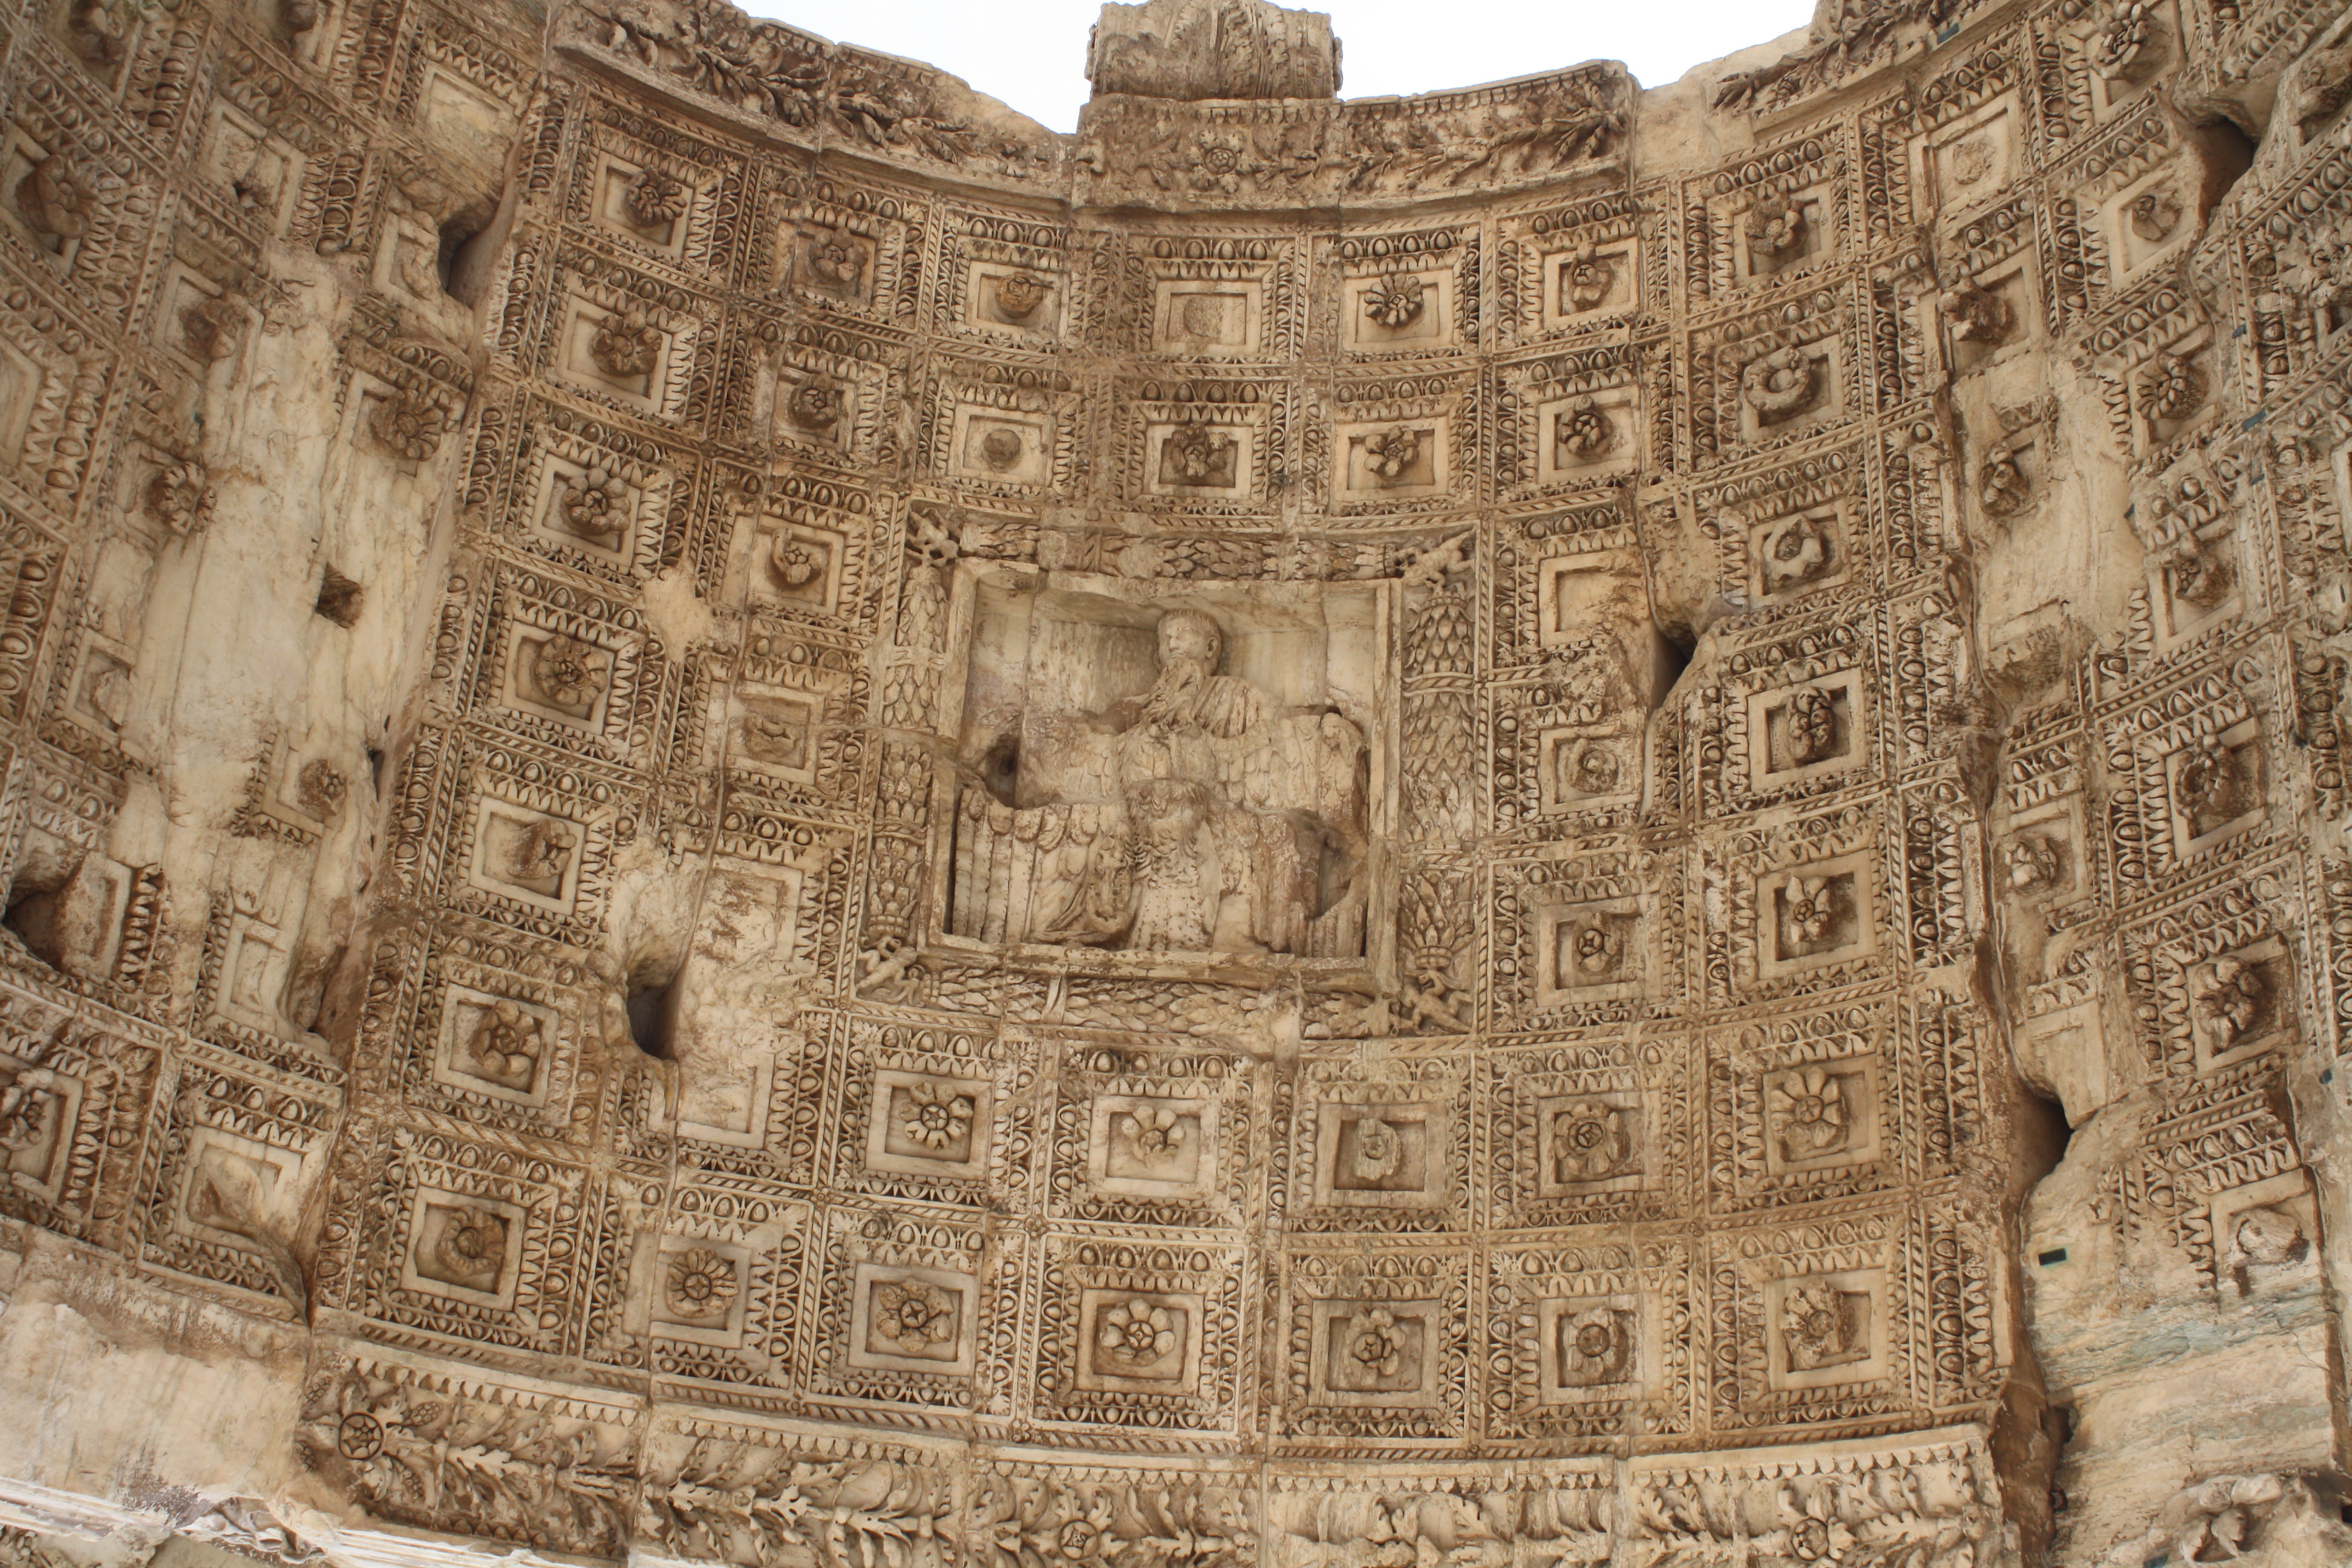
1202 448
1588 1133
627 350
1392 445
1140 752
1569 270
1142 1336
1005 279
1579 941
1403 294
1381 1151
654 200
1153 1139
1969 161
587 502
1773 217
1383 1333
1596 1335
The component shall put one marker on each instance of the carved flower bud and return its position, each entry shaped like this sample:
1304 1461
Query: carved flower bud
1018 295
101 30
699 1283
835 260
181 496
2120 44
595 505
2156 214
1001 448
1391 453
410 426
322 789
794 564
1396 304
298 16
655 198
569 673
1585 431
213 328
1585 281
626 346
815 405
57 199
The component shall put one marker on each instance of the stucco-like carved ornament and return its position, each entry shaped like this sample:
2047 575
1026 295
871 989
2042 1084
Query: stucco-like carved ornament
2223 1518
469 1249
1794 551
1397 303
180 496
2119 46
595 505
1391 454
1018 295
1782 383
816 406
1135 1334
655 197
1198 455
1193 49
322 789
934 1117
626 346
1977 315
58 197
836 258
1809 1113
1592 1141
569 673
2322 84
2314 265
1586 279
2155 213
911 1317
100 29
698 1283
410 424
2029 862
2173 386
1775 223
505 1047
1585 432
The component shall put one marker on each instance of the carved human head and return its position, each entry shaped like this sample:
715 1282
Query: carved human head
1191 635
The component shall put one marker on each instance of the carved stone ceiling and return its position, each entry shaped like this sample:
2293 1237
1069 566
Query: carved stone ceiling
754 817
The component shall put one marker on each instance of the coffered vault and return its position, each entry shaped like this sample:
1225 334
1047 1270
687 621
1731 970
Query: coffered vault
755 818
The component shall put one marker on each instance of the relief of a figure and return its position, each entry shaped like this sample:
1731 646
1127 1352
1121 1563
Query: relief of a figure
1203 814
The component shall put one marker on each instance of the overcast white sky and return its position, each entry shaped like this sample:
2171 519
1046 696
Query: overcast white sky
1031 54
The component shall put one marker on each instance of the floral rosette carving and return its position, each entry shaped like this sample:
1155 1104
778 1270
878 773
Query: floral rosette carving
698 1283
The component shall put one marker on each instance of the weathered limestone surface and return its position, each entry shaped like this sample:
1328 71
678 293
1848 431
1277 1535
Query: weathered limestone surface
752 816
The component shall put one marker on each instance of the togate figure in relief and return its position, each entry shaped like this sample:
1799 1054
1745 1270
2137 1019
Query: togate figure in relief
1201 816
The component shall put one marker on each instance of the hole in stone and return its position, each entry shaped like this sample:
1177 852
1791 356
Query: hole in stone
471 240
1670 655
458 264
2230 153
2041 1134
2055 1255
375 767
653 1014
340 599
999 770
48 863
